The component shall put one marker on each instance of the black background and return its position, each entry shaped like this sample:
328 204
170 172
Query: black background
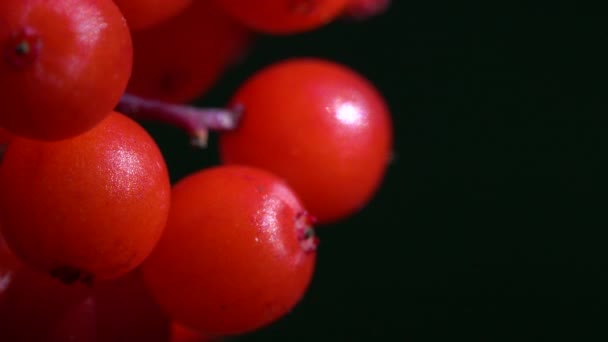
490 223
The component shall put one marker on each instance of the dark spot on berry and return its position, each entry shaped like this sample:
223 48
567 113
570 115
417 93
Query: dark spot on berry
223 307
23 48
308 233
70 275
87 279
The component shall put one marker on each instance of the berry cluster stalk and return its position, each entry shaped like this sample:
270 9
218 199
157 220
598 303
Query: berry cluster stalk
197 122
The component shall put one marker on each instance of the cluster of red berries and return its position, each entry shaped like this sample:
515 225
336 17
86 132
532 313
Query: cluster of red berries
96 244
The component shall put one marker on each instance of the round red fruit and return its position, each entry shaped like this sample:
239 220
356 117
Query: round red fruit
125 312
63 65
92 206
35 307
142 14
283 16
319 125
178 60
237 254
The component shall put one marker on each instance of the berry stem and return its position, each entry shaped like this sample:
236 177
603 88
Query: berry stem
197 122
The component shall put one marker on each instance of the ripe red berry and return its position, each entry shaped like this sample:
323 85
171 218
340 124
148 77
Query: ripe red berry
237 253
319 125
178 60
63 65
35 307
38 308
141 14
92 206
125 312
283 16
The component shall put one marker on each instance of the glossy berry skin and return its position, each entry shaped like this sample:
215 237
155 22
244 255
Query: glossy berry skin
64 65
283 16
236 254
319 125
142 14
88 207
180 59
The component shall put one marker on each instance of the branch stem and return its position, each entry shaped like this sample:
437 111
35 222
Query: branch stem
197 122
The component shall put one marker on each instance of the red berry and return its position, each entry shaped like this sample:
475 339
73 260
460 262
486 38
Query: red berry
237 253
319 125
92 206
283 16
141 14
180 59
64 65
35 307
125 312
